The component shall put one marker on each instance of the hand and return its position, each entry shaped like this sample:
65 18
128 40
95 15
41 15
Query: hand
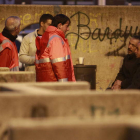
118 82
117 85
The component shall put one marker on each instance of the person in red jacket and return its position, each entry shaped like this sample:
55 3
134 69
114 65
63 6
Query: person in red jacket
53 56
8 49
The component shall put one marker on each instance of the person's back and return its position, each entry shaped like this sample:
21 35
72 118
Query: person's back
8 49
28 47
53 57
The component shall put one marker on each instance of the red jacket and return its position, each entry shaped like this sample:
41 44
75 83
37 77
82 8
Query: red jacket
53 57
8 54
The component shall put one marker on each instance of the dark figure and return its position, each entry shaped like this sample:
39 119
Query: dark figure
135 82
129 66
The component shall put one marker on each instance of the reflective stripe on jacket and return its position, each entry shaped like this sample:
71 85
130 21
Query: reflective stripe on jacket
6 43
53 57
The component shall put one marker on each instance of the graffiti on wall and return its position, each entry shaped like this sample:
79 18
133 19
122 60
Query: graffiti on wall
84 30
97 33
28 19
101 110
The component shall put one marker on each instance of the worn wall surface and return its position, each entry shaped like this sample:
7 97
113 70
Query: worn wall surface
98 33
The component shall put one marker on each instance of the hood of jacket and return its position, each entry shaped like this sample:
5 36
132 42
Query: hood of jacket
41 42
54 30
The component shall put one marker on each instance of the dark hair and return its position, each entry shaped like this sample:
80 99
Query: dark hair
45 17
136 37
60 18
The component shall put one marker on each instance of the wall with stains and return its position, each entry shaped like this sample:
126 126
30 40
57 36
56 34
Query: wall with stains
98 33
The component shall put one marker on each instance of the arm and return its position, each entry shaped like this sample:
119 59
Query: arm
125 75
135 83
72 67
5 57
73 75
116 85
120 77
57 56
24 52
125 83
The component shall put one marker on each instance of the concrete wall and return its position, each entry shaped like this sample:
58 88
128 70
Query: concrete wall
68 129
26 87
104 128
98 33
54 104
19 76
